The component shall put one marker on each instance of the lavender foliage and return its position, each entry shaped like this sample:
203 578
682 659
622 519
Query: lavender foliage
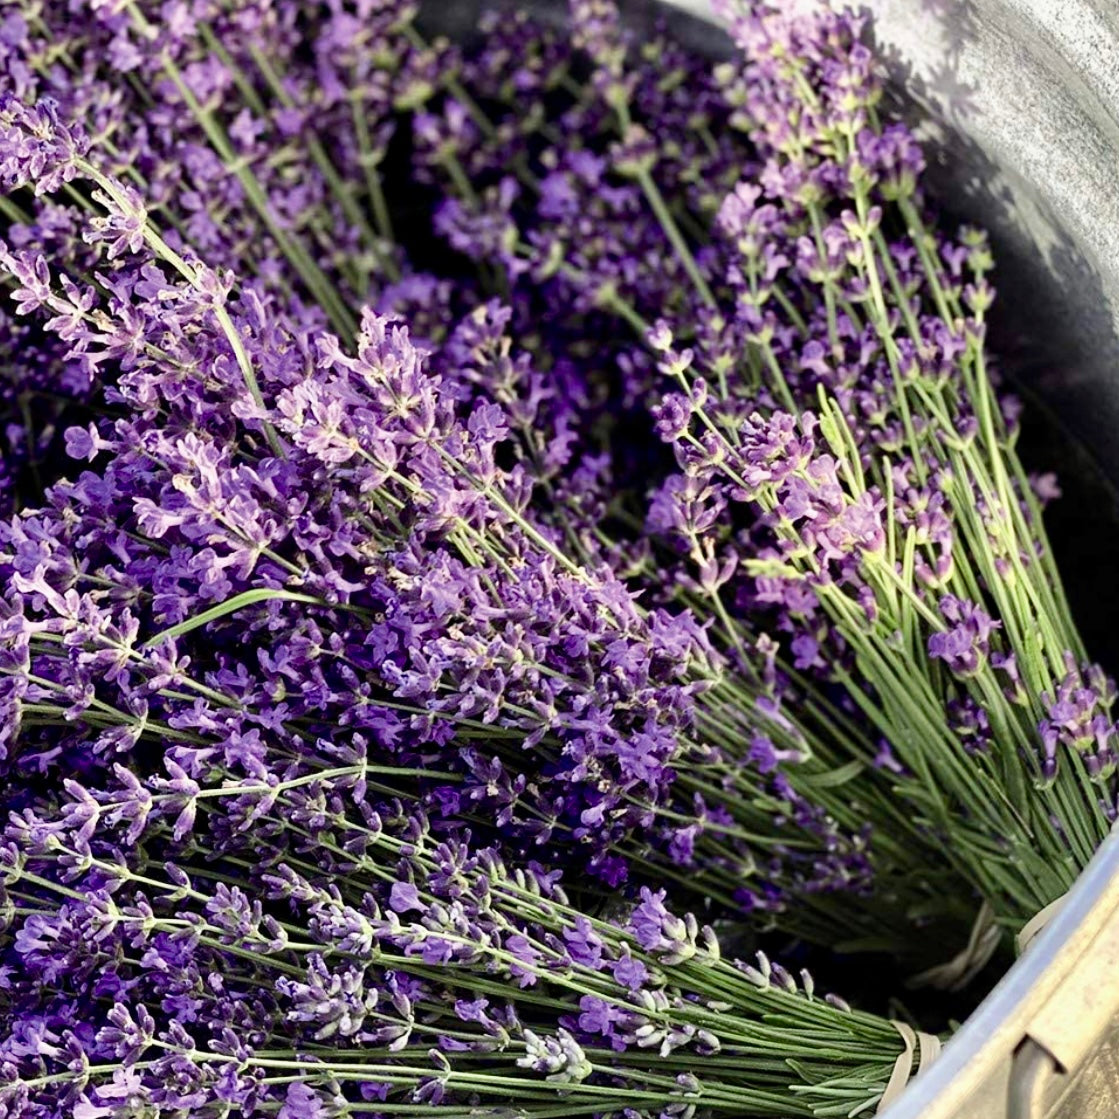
554 460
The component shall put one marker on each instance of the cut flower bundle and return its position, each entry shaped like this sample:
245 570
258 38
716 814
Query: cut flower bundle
515 497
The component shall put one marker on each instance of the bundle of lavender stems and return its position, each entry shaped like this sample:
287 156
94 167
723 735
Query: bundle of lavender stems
483 522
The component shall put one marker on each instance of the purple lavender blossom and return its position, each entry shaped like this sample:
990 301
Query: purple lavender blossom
963 646
366 605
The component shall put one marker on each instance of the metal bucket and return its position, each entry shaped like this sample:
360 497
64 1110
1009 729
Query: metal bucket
1045 1043
1018 104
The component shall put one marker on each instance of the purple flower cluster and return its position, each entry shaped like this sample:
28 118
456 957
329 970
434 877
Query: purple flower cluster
814 355
538 693
383 963
373 516
965 645
1078 717
436 474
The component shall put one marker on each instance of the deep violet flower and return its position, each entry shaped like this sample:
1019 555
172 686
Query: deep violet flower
659 540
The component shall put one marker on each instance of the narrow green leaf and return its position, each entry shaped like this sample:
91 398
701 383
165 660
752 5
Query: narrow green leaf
237 602
835 777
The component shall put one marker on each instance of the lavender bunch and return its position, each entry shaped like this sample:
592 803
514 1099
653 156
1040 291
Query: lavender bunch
665 538
844 463
314 553
662 801
896 494
198 796
312 949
